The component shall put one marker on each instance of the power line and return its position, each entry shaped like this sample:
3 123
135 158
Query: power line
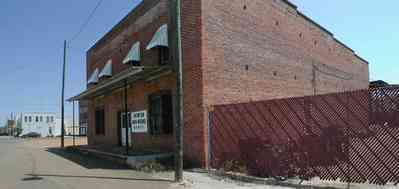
84 25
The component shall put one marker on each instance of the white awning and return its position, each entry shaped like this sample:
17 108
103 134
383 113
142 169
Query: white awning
119 80
160 38
94 77
134 54
107 70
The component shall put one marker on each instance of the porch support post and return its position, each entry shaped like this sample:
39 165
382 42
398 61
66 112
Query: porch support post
126 119
73 122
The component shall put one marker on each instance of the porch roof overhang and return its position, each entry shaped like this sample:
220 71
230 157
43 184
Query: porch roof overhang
130 75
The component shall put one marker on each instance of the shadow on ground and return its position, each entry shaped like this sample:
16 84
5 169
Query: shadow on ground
40 177
87 161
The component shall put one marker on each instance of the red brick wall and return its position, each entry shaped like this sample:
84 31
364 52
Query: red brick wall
195 143
263 49
278 47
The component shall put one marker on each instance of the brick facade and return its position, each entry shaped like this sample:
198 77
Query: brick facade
139 26
233 51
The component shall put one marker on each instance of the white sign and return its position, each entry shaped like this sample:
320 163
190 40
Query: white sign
139 122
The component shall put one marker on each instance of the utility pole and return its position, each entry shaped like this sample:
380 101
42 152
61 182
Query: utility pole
63 96
175 6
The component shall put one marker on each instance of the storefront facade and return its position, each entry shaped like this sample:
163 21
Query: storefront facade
232 53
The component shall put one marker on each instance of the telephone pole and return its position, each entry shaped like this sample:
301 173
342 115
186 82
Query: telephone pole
175 7
63 96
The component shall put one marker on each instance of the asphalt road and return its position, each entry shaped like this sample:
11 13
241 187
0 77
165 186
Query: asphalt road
26 165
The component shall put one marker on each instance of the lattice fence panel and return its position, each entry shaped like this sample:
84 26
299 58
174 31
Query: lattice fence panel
353 136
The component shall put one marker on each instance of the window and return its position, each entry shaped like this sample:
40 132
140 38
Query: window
51 119
47 119
30 118
161 113
100 122
26 119
37 118
163 55
41 118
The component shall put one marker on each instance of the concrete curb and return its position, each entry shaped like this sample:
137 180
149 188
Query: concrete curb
131 161
257 180
103 155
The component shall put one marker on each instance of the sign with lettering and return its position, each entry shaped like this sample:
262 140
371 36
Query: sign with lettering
139 122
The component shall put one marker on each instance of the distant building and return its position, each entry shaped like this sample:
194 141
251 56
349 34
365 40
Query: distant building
378 83
70 127
3 130
381 83
10 128
83 116
41 123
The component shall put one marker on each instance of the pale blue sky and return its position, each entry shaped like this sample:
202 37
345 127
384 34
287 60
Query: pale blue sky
32 34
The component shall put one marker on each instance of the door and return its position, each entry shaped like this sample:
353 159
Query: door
123 129
155 115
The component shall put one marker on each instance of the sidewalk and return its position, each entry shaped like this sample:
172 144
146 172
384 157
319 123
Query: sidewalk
135 159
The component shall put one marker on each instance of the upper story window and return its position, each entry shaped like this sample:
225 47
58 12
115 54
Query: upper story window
107 70
26 119
133 57
163 55
30 118
160 42
94 77
41 118
37 118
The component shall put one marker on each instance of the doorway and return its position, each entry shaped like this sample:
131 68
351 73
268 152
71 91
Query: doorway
122 129
161 113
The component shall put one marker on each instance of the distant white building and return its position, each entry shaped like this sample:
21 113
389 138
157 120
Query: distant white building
41 123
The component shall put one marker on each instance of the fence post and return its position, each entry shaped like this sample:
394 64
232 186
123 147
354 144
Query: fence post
210 125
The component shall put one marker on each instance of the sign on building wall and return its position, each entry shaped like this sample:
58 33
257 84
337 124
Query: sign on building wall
139 122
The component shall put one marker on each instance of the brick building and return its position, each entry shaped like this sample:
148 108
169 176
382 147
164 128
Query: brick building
233 51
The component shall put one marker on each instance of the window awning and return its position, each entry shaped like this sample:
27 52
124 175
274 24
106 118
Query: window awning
107 70
130 75
160 38
94 77
134 54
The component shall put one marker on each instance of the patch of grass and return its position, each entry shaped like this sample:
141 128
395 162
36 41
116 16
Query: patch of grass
235 166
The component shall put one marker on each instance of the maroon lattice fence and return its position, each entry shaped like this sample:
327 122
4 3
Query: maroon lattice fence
353 136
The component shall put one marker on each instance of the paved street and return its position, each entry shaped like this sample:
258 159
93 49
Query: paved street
39 164
25 164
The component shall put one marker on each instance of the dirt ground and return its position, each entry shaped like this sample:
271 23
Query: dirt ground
55 142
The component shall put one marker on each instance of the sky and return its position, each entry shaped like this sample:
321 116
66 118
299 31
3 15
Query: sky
32 35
